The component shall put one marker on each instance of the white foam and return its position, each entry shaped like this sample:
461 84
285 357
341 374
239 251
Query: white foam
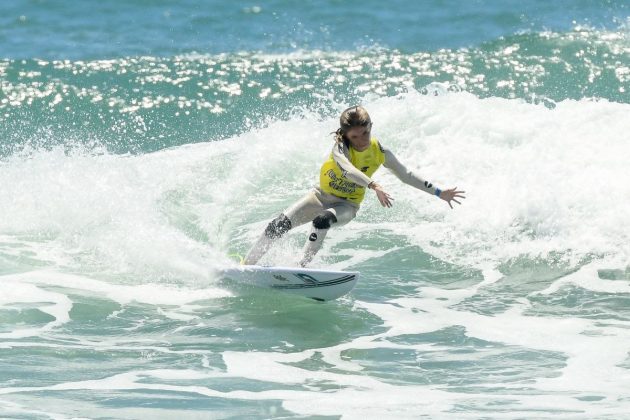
53 303
353 396
34 288
587 278
104 211
154 294
538 180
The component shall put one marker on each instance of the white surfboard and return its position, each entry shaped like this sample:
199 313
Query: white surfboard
308 282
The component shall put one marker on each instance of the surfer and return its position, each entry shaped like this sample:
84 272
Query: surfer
343 179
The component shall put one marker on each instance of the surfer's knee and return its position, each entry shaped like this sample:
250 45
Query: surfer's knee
278 227
324 220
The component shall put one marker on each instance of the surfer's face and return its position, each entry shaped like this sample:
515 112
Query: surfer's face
359 137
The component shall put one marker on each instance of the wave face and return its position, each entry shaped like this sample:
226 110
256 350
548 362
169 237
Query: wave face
131 169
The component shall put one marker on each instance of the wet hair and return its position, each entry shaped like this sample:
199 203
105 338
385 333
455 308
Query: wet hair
355 116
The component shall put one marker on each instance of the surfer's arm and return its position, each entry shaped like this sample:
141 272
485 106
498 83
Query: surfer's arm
358 177
406 175
347 168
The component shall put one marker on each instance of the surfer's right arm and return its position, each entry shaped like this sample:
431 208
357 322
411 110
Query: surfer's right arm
340 155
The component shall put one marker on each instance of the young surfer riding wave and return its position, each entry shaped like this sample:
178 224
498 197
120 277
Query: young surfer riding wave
343 180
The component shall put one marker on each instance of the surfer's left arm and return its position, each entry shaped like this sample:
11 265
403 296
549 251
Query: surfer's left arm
408 177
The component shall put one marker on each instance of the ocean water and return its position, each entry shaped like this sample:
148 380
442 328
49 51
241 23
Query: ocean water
142 142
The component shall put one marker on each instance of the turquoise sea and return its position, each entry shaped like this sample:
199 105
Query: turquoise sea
142 142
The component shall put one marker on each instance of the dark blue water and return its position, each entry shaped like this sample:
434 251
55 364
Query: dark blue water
56 29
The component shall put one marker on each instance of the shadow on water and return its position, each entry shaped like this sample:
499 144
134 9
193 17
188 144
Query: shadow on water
261 319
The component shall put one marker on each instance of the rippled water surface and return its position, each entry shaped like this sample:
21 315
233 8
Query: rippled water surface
142 143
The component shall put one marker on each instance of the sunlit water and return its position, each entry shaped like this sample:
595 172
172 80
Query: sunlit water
127 177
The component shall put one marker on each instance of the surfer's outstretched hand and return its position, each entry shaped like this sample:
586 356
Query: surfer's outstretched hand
384 198
452 195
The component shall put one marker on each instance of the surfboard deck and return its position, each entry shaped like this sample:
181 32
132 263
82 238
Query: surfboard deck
312 283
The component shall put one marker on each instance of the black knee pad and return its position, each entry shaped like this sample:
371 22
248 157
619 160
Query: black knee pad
324 220
278 227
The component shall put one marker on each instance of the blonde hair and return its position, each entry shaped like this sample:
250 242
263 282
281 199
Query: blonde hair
355 116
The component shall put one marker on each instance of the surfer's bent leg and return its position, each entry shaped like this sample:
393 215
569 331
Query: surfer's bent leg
275 229
339 215
298 214
278 227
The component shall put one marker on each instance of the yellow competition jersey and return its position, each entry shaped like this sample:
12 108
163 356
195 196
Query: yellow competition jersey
332 179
